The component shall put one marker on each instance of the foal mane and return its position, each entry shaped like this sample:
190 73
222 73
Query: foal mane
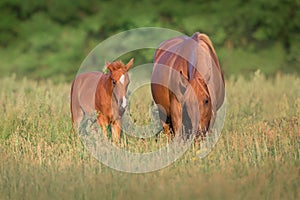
116 65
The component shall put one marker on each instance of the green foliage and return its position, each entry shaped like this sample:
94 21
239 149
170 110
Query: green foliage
259 24
257 156
51 38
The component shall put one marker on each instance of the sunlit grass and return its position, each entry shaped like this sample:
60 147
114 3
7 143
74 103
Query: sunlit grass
257 156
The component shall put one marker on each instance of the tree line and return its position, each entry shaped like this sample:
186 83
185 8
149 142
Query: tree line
45 38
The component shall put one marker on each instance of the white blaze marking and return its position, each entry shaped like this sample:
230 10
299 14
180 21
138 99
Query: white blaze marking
124 102
122 79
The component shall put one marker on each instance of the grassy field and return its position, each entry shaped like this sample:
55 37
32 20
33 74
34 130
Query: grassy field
257 156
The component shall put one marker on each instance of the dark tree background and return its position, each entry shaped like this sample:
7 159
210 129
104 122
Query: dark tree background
50 38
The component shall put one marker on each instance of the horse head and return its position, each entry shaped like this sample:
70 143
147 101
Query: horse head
198 105
119 82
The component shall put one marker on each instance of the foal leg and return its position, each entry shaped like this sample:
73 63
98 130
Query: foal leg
116 130
103 124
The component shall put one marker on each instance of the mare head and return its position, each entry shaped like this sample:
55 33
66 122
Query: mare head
119 81
198 104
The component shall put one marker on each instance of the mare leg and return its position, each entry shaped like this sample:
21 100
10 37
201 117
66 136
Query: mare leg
167 130
176 117
165 122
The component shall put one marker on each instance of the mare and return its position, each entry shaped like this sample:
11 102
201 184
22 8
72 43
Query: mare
188 85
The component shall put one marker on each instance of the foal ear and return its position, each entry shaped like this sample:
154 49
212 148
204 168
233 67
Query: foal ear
108 65
110 68
129 64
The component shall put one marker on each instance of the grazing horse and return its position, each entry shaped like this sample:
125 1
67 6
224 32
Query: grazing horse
187 83
104 94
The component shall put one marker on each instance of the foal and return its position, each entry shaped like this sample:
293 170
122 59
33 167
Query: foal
104 94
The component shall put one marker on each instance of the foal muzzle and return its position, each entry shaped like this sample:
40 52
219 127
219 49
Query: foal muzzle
122 104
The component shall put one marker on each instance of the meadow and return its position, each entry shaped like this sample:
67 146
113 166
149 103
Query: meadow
257 156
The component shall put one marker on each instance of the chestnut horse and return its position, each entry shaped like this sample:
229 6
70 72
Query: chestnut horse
104 94
187 83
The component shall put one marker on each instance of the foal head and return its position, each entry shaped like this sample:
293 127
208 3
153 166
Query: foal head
119 81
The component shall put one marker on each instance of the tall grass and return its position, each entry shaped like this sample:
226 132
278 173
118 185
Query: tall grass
257 156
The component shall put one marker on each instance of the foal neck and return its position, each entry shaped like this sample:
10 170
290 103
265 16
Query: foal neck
107 82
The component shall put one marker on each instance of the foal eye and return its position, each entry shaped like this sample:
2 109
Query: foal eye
114 82
206 101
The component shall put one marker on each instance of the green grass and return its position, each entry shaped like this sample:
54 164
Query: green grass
238 61
257 156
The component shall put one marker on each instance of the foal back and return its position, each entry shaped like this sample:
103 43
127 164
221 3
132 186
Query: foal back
83 96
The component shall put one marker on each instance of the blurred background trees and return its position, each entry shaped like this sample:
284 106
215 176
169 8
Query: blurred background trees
50 38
